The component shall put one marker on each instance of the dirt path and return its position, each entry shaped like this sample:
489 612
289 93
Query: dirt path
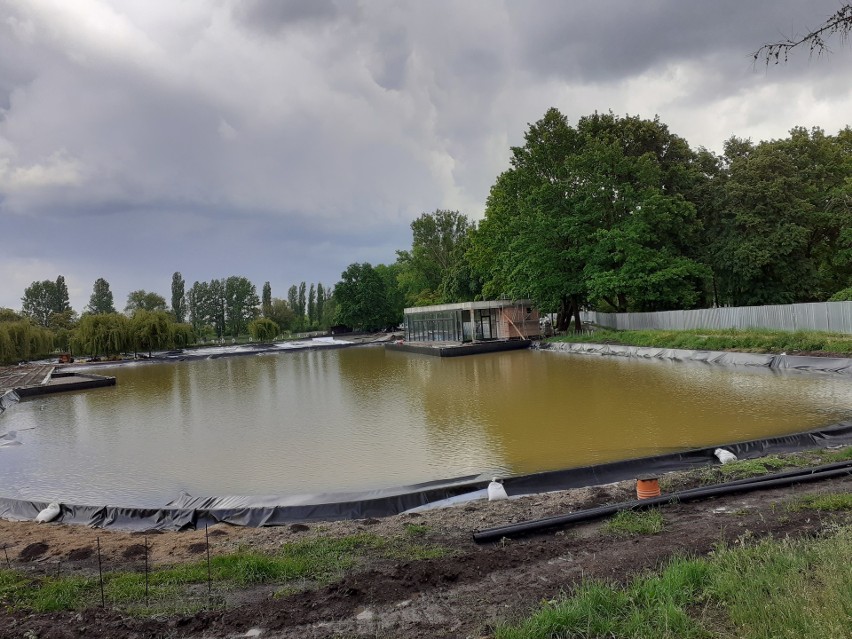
456 596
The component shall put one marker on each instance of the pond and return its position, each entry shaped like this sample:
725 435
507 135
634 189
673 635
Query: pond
361 418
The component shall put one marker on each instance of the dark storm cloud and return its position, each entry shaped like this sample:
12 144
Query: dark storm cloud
271 16
284 140
610 40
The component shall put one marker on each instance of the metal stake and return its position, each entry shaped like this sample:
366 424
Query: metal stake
209 582
101 575
5 552
146 572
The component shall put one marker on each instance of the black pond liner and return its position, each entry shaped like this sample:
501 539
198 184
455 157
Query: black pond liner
188 512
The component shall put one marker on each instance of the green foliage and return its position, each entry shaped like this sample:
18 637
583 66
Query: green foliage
829 502
23 340
241 304
321 295
362 299
653 606
430 270
101 301
178 297
263 329
782 233
319 560
749 592
841 455
282 314
223 306
628 523
844 295
151 330
266 300
142 300
206 307
416 530
103 334
312 305
595 213
8 315
43 299
301 306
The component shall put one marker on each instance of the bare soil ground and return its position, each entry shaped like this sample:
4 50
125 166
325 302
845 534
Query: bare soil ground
461 595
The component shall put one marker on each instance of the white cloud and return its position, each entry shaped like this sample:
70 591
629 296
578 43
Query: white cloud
58 169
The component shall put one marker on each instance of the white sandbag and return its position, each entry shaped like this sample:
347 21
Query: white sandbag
724 456
49 514
496 491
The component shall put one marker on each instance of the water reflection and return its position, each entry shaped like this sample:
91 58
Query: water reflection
314 421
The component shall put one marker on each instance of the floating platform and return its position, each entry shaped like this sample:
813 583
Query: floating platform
45 380
455 349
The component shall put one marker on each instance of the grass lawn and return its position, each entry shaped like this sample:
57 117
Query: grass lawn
751 340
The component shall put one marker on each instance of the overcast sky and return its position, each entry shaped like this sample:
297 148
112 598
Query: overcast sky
284 140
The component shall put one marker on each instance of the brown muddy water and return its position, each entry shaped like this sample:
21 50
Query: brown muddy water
360 418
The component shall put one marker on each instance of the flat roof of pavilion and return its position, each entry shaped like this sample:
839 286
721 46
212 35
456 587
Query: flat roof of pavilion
467 306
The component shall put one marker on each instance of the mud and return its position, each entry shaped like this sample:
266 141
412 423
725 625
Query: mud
462 595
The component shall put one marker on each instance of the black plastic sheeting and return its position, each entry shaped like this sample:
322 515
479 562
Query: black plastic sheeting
187 512
7 398
781 361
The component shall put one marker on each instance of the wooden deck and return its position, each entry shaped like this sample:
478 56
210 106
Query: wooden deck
42 379
13 377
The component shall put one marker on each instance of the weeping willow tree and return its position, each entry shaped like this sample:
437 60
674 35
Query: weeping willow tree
151 330
103 334
23 340
181 334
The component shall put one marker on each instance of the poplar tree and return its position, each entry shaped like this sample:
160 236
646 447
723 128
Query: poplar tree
178 297
101 302
266 300
312 304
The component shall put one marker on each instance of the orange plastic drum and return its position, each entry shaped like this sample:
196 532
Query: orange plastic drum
647 487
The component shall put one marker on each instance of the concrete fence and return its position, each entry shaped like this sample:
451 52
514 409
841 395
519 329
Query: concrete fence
819 316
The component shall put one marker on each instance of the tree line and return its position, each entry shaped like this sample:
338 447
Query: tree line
214 310
619 214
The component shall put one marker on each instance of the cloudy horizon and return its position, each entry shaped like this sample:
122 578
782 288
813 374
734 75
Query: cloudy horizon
283 141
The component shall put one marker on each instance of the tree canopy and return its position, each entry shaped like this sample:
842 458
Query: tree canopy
101 300
43 299
142 300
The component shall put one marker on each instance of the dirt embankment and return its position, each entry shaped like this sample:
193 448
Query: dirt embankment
458 595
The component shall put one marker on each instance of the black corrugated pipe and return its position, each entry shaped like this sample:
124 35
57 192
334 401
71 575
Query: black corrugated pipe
787 478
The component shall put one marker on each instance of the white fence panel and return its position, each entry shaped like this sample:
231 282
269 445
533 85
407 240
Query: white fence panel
818 316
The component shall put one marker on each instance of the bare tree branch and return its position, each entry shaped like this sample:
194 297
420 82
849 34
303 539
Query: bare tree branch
840 23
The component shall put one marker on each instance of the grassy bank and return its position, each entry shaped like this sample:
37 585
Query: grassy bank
787 588
748 340
184 587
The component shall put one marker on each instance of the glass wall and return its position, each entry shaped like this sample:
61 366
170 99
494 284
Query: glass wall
440 326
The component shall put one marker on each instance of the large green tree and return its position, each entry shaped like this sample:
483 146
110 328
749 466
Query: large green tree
103 334
361 298
783 231
282 314
436 249
593 214
241 304
43 299
101 301
142 300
